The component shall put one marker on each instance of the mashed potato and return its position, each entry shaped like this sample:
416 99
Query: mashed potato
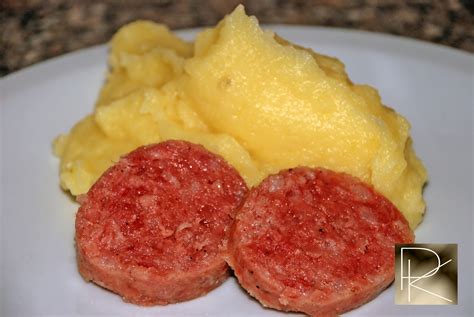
262 103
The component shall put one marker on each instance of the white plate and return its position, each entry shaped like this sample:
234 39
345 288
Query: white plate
431 85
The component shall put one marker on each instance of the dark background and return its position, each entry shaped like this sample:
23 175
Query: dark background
35 30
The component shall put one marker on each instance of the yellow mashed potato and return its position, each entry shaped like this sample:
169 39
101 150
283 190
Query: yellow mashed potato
261 102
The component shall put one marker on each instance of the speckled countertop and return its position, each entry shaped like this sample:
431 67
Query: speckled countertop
36 30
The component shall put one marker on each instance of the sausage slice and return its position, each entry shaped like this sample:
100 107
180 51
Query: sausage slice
150 228
315 241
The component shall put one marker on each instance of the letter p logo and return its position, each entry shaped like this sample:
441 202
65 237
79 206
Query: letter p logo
426 274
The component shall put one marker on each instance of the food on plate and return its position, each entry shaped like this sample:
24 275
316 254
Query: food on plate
250 96
150 228
315 241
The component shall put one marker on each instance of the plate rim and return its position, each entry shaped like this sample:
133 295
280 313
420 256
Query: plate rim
413 43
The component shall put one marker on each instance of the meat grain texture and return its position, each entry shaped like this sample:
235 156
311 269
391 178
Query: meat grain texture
150 228
315 241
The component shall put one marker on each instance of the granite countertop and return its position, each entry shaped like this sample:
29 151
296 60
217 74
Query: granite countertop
36 30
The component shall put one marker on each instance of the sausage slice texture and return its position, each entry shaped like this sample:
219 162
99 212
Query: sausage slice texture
315 241
150 228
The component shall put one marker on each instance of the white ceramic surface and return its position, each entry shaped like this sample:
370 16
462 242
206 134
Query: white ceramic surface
431 85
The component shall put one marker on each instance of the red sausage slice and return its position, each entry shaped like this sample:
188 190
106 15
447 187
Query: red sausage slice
315 241
150 228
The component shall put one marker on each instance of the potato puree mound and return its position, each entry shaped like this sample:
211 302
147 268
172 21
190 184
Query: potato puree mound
262 103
